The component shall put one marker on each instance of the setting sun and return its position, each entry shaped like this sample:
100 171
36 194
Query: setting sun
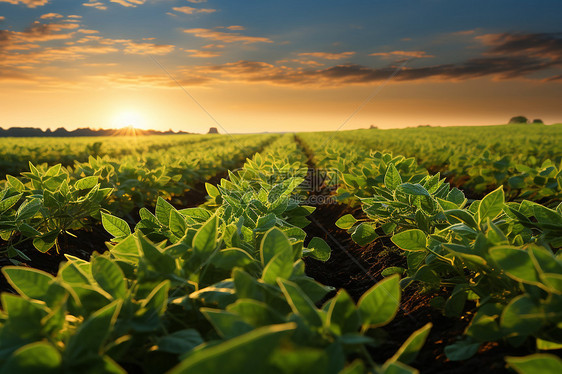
129 118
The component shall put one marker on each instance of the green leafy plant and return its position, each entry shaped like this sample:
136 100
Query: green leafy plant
44 204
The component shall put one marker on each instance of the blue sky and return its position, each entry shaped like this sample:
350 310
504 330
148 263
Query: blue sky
291 64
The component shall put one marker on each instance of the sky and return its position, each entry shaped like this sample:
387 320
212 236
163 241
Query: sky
257 66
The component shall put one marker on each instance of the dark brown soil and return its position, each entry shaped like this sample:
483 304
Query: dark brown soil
198 194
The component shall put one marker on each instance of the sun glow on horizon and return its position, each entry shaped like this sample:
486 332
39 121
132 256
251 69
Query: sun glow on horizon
129 118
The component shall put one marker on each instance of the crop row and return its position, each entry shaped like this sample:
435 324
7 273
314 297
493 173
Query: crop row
49 201
356 158
503 256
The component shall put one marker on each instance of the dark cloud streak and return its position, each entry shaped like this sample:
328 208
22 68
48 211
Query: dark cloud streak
509 56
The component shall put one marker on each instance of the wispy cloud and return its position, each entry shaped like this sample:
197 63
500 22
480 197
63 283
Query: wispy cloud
51 16
86 31
226 37
39 32
95 4
202 54
236 28
28 3
540 45
212 46
148 48
328 56
129 3
191 10
410 54
151 80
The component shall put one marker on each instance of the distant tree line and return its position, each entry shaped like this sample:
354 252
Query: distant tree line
62 132
523 119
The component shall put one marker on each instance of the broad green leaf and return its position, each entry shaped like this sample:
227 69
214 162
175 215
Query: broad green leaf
392 177
522 316
346 222
306 360
9 202
229 258
491 205
462 215
212 191
412 346
414 189
364 234
158 261
545 345
274 242
28 209
109 276
277 191
397 367
356 367
255 313
205 240
456 302
127 249
115 226
39 357
343 316
177 223
43 246
320 250
231 357
25 317
157 300
300 303
30 282
544 260
162 211
86 183
456 196
516 263
545 215
379 304
92 333
410 240
227 325
15 183
220 294
179 342
539 363
280 266
461 350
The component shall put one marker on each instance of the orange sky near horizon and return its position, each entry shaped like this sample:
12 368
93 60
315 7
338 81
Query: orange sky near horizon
258 108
